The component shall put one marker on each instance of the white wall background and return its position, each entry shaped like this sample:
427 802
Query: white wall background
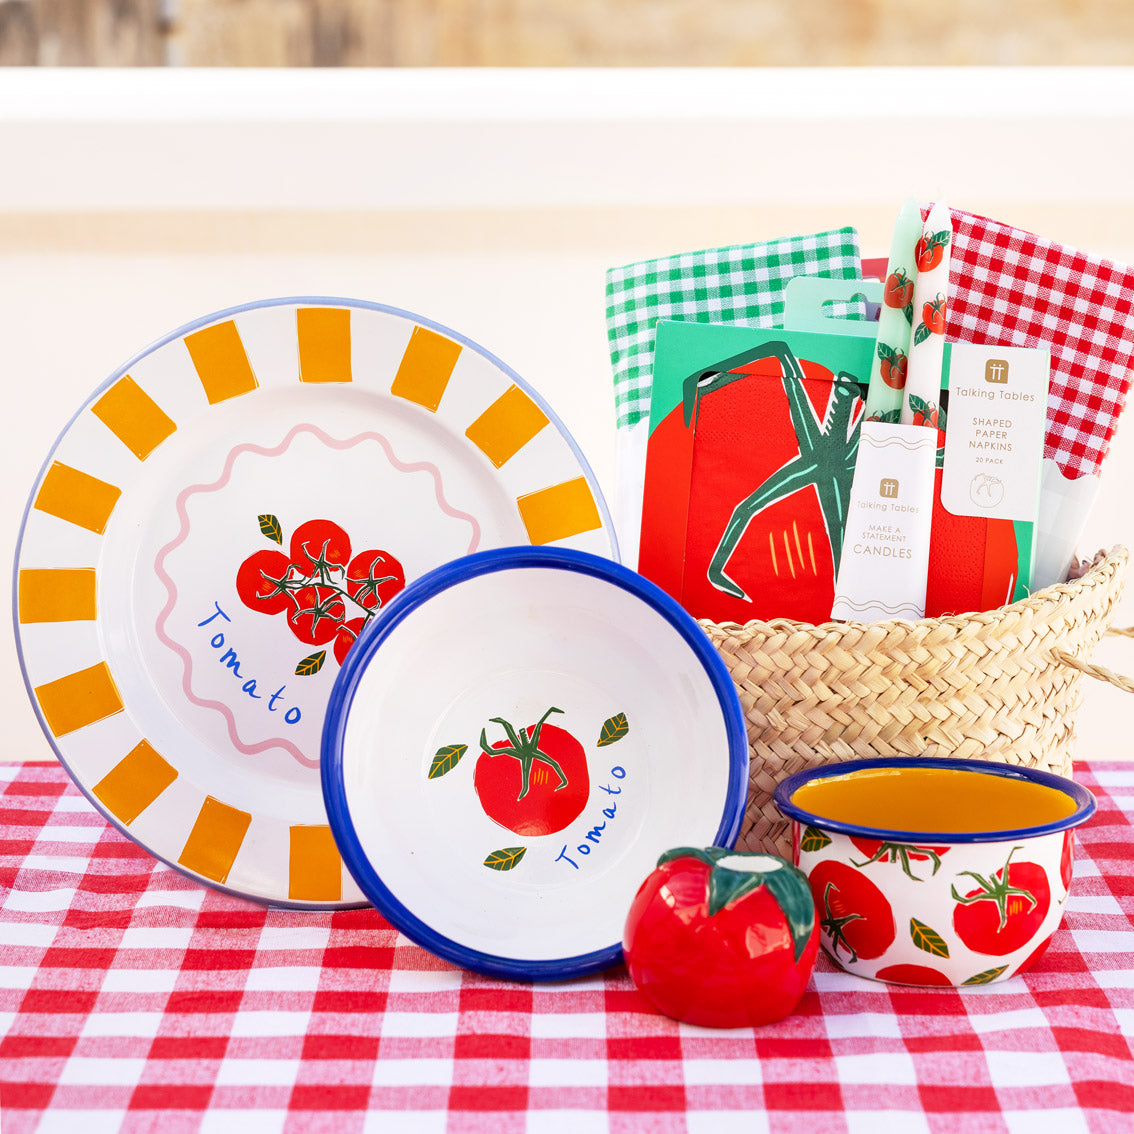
134 201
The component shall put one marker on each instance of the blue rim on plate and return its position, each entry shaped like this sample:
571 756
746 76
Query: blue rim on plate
123 371
1083 799
368 874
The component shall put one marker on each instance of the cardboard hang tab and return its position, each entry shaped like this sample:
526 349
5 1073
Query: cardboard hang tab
825 306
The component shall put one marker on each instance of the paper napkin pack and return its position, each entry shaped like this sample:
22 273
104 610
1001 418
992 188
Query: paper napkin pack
751 453
1013 288
753 439
741 285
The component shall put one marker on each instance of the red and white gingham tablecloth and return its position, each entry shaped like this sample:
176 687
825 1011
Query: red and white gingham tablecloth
133 999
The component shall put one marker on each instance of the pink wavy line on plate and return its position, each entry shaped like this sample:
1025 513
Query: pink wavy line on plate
183 534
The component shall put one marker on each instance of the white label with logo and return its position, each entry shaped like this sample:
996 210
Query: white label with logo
885 556
995 431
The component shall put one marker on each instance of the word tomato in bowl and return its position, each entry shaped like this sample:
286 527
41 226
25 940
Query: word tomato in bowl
722 938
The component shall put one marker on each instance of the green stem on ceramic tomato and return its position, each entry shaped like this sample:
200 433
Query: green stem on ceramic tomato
525 749
729 883
997 890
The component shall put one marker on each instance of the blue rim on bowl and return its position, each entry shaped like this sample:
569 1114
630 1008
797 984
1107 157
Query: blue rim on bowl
1083 799
368 874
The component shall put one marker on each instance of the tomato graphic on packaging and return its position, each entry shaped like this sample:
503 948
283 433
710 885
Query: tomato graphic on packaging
1004 911
722 939
535 780
323 594
770 524
854 914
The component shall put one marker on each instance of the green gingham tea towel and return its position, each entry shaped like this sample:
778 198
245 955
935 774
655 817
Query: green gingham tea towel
743 283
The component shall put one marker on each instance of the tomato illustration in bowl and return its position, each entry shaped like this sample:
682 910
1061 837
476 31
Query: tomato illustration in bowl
534 781
722 938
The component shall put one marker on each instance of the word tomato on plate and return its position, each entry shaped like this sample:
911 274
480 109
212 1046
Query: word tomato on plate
722 938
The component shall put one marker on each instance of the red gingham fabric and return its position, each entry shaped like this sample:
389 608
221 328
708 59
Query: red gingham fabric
133 999
1011 288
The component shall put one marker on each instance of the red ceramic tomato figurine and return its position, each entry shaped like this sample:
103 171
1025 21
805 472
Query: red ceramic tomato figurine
722 938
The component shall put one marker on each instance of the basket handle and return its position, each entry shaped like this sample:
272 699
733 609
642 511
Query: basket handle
1100 671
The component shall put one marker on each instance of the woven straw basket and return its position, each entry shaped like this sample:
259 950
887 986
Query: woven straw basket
997 685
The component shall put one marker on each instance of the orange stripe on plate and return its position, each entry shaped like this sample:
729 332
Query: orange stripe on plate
215 840
58 595
221 362
324 344
79 699
134 417
506 426
559 511
77 497
135 782
316 868
425 368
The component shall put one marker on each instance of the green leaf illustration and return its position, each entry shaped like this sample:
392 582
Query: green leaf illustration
928 939
270 527
446 759
987 976
813 840
885 351
505 859
908 312
921 334
311 664
613 730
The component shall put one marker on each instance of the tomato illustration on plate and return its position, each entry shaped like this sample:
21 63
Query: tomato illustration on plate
323 593
533 781
1002 913
854 913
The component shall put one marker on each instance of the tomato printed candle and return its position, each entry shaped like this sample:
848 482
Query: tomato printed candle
929 871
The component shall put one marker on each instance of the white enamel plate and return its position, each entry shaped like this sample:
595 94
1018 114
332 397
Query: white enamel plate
217 525
512 746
